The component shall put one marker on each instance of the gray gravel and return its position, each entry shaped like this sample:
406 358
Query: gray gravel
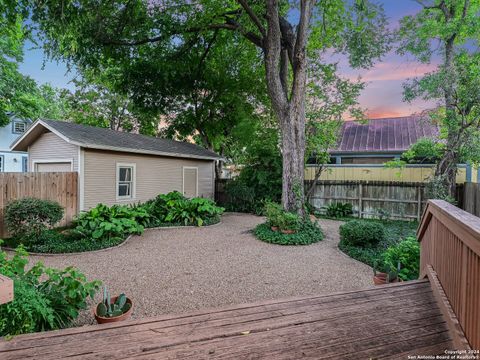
179 270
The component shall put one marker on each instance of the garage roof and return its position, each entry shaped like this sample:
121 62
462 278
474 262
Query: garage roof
107 139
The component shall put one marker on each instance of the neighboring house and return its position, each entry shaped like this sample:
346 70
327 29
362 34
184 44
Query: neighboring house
363 148
117 167
380 140
12 161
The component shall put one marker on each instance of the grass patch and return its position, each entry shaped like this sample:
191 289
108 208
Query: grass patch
395 231
307 233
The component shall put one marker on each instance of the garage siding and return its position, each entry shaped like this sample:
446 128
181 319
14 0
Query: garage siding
154 175
52 147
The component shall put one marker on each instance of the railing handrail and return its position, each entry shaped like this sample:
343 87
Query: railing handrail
461 220
450 252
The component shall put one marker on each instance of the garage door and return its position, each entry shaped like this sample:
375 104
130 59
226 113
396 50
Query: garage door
53 167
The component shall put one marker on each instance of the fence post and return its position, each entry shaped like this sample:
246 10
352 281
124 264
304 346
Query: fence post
419 203
360 200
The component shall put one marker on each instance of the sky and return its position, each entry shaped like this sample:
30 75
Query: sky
382 96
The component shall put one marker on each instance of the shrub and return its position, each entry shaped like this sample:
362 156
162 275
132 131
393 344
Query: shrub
407 253
103 222
339 210
27 218
307 232
362 233
174 208
44 298
272 212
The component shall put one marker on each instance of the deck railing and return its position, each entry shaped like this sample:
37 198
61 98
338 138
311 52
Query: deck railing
450 248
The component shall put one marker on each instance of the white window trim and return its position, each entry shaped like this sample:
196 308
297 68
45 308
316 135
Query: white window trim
19 122
183 179
43 161
134 182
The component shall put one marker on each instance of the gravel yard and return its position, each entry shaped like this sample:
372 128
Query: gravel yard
179 270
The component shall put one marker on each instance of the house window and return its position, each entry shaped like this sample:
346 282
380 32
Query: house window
24 163
19 127
125 181
2 166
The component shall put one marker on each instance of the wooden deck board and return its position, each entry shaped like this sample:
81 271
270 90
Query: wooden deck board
389 321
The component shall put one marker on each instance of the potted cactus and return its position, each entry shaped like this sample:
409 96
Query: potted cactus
113 309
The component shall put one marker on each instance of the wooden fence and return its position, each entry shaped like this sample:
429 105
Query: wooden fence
399 200
450 256
60 187
471 198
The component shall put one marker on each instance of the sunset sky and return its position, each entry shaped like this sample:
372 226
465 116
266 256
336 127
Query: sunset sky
382 96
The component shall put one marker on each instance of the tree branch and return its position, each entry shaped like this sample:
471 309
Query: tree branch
253 17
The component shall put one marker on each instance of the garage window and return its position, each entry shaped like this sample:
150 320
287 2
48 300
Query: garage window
125 181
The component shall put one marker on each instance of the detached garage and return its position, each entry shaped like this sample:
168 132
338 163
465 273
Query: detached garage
116 167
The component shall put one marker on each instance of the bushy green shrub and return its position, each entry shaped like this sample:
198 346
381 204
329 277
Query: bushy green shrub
339 210
174 208
362 233
44 298
407 253
280 218
27 218
103 222
307 232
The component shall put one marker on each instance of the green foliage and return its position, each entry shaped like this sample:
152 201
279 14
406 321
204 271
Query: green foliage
103 222
407 253
362 233
339 210
308 232
28 218
395 232
437 188
44 298
174 208
108 309
260 179
280 218
424 151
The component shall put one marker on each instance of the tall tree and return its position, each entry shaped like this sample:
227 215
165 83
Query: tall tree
450 30
97 34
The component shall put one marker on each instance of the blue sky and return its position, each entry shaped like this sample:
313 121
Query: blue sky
382 96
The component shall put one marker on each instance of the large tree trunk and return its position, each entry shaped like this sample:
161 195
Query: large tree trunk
289 106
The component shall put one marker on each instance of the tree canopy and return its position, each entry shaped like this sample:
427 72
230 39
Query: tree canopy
449 30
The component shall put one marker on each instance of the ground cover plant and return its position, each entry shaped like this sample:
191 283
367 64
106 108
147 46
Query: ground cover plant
44 298
382 244
106 226
286 228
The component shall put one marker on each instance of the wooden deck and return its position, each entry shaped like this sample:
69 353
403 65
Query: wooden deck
390 321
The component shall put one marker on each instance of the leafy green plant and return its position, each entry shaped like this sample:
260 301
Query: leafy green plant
272 212
27 218
44 298
289 221
308 232
174 208
407 254
107 308
362 233
107 222
339 210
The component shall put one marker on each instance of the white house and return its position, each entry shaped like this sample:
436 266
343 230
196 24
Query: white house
13 161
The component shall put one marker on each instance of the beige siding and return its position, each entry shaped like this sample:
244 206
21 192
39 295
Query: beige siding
154 175
51 147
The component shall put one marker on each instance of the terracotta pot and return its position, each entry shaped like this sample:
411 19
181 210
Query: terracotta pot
124 316
274 228
380 278
288 231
